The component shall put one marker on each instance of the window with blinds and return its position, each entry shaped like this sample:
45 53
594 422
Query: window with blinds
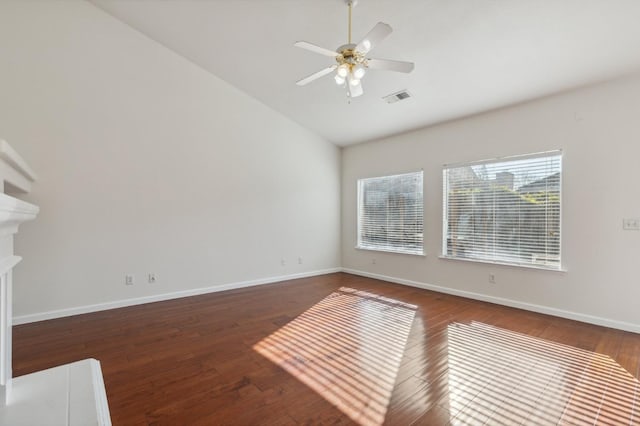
390 213
504 211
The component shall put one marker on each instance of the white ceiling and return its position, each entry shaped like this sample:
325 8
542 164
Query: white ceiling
470 55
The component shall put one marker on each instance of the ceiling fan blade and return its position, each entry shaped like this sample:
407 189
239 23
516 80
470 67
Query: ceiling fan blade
355 91
316 75
316 49
386 64
375 36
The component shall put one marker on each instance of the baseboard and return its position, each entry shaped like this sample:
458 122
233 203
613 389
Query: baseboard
605 322
25 319
620 325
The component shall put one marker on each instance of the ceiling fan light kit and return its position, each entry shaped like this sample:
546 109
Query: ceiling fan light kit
351 59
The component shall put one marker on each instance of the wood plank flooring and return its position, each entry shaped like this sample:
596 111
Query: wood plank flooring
343 349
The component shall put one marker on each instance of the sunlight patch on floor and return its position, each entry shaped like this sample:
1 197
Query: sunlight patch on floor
502 377
347 348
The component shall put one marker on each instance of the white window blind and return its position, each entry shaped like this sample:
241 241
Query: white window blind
504 211
390 213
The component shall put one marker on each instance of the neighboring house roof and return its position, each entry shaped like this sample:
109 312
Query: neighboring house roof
550 183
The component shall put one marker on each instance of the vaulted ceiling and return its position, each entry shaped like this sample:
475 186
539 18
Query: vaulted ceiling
470 55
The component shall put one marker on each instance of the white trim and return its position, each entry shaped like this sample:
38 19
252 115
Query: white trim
394 175
605 322
387 250
99 393
8 154
507 158
494 262
8 263
42 316
12 205
13 213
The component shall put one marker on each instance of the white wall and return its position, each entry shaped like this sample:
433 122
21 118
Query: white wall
147 163
598 130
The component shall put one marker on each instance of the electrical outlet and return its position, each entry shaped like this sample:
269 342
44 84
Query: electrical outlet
129 279
492 278
373 261
299 261
283 262
152 278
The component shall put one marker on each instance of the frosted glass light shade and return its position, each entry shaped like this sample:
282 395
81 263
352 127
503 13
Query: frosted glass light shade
343 70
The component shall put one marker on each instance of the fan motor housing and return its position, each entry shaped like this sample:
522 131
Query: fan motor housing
349 55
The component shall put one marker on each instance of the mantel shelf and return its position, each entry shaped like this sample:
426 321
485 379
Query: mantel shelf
15 174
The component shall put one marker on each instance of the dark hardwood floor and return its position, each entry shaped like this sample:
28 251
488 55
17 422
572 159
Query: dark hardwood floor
343 349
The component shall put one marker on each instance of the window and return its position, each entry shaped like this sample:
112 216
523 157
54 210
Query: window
390 213
504 211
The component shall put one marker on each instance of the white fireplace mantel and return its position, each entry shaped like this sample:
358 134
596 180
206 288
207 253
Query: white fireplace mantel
15 174
71 394
13 212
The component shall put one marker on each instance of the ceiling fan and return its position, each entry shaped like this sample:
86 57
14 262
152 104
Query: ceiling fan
351 59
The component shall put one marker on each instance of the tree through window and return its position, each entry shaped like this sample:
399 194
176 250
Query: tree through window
390 213
504 211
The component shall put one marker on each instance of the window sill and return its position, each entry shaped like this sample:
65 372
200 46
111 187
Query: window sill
514 265
411 253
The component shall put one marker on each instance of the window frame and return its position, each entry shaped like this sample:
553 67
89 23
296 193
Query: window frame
359 216
496 161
